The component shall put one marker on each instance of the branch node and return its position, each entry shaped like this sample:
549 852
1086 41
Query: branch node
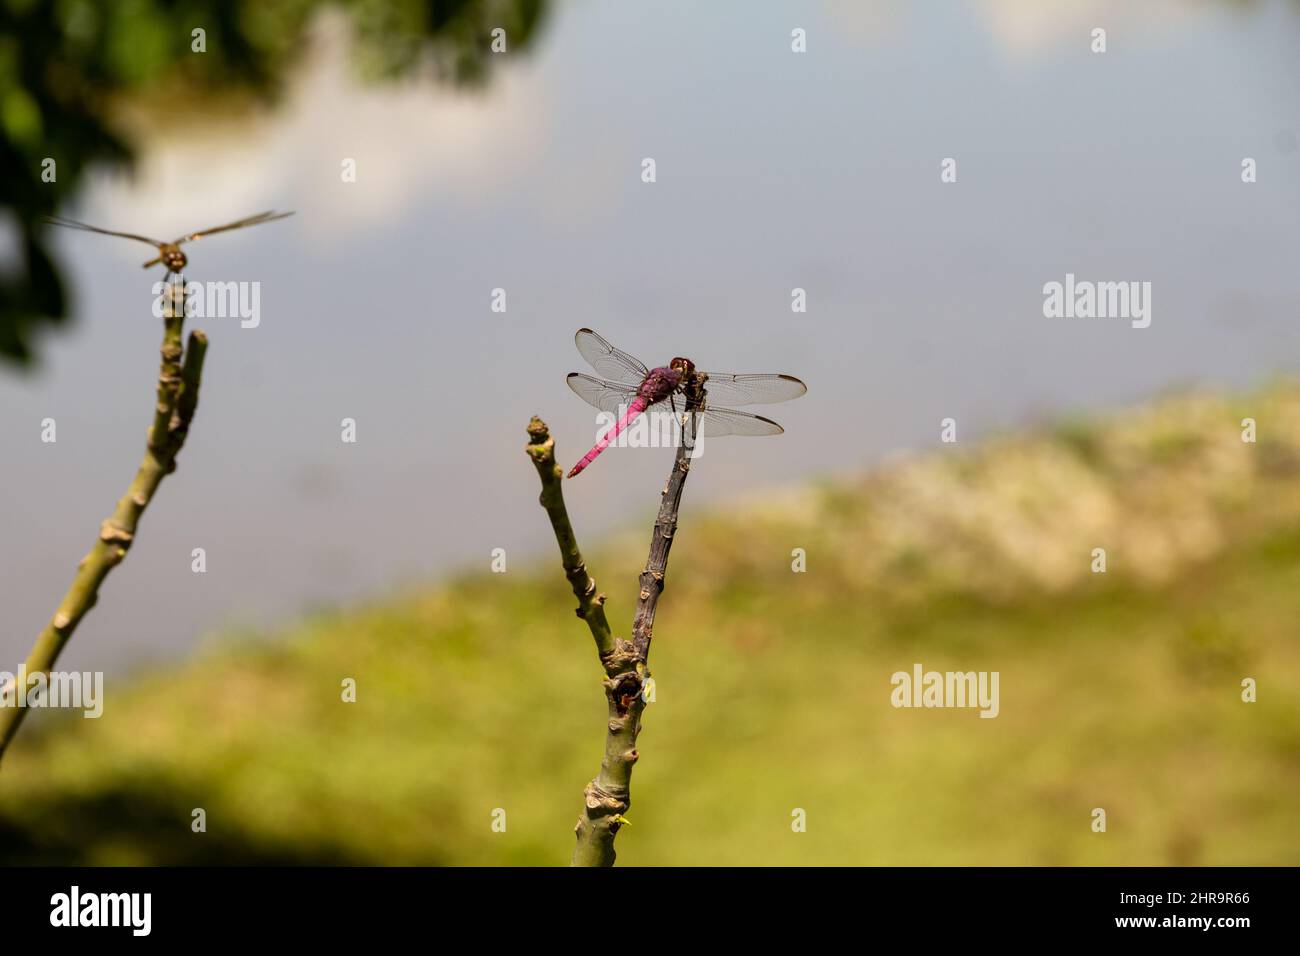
111 533
621 658
605 802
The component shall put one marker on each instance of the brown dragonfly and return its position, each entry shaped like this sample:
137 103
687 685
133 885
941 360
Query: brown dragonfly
169 253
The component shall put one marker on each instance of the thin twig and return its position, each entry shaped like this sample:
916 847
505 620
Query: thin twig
608 797
591 603
178 396
661 542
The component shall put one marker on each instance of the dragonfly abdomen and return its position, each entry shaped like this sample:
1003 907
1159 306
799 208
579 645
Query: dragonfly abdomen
634 408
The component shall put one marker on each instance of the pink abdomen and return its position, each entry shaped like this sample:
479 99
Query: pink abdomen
637 406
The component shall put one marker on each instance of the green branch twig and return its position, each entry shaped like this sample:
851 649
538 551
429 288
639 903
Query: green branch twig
591 603
608 797
179 376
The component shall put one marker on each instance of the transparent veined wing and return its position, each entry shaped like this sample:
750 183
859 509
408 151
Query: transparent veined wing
609 397
716 422
729 389
608 361
269 216
86 227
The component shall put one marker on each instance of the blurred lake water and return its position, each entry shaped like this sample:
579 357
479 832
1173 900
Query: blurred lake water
775 171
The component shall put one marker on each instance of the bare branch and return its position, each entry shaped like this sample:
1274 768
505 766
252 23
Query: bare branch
608 797
176 400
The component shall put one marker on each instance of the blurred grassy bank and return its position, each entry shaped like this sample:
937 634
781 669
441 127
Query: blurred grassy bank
1118 690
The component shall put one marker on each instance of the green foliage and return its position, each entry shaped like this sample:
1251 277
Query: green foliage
1119 691
71 71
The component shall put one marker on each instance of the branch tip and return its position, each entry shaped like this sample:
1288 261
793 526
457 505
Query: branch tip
537 431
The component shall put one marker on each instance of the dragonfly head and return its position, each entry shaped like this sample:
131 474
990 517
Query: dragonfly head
172 257
683 366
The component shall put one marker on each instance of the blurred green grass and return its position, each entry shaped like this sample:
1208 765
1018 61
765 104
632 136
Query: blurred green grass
1119 690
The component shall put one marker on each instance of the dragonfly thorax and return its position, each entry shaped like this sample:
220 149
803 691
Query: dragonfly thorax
660 383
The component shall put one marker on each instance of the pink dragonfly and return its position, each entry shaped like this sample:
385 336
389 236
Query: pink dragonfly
630 388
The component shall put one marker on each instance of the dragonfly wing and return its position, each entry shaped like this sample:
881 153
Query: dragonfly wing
716 422
85 227
608 361
609 397
730 389
261 217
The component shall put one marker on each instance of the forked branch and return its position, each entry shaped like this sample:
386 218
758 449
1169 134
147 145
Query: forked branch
608 796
